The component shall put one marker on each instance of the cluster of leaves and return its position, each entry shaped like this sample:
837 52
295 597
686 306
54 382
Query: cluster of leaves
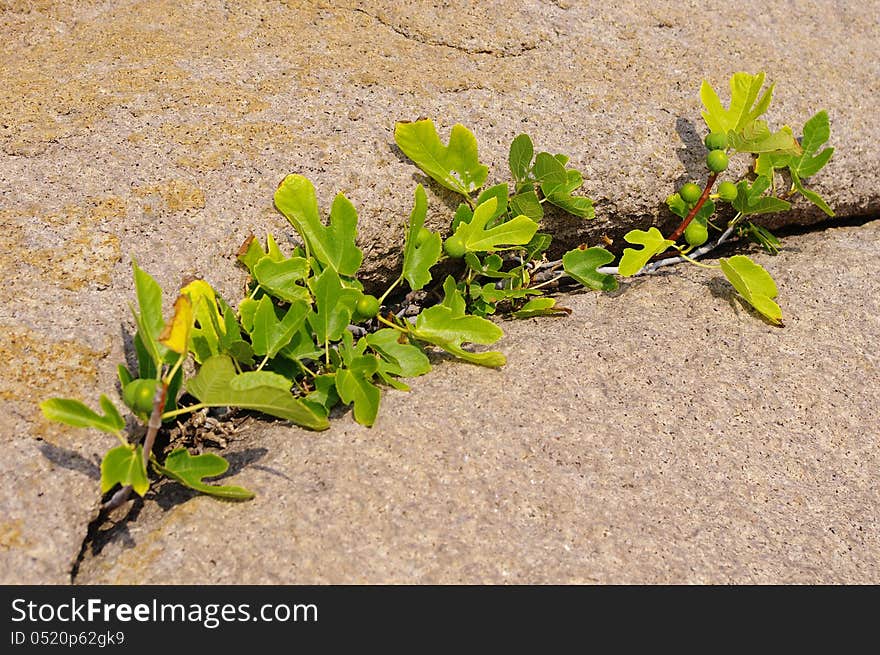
738 129
307 338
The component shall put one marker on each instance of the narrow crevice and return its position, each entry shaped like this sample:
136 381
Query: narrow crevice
523 48
795 229
101 530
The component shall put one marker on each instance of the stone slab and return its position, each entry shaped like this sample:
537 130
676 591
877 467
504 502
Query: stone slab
663 434
157 131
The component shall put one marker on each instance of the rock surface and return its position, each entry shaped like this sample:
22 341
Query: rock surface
663 434
157 131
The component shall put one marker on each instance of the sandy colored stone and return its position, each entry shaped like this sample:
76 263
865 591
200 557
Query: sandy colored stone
662 434
157 131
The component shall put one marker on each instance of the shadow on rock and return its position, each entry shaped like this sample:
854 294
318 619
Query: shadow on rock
72 460
692 155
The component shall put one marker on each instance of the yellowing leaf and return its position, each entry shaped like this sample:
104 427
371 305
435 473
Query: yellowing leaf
176 333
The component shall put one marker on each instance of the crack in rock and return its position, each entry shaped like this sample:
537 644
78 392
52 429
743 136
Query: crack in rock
499 54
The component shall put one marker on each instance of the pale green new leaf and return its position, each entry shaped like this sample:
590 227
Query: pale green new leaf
754 284
269 334
214 385
767 162
634 260
418 259
334 245
757 138
476 238
582 265
446 325
124 465
744 89
190 471
455 166
75 413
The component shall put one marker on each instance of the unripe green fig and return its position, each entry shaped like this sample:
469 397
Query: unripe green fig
367 306
716 141
139 394
727 191
696 233
716 160
454 247
690 193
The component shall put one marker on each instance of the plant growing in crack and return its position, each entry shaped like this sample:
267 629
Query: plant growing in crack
307 338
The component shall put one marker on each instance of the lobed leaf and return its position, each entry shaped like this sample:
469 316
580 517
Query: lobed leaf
75 413
550 173
756 138
418 259
750 198
446 326
355 388
394 347
334 246
124 465
477 238
282 278
754 284
455 166
540 307
215 385
634 260
527 204
582 264
335 306
269 334
744 109
191 470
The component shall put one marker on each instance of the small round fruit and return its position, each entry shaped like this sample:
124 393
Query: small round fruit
716 141
690 193
716 160
454 247
139 394
696 233
367 306
423 236
727 191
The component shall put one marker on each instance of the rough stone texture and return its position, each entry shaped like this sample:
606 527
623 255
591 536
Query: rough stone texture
158 130
662 434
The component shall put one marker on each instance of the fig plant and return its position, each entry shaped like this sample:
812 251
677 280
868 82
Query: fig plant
307 338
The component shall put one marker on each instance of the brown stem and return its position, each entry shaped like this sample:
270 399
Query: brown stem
155 422
675 236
